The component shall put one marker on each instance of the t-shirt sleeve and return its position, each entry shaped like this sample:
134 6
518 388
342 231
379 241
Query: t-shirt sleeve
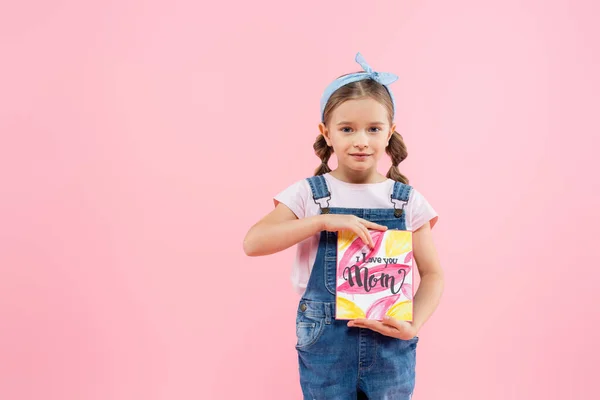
421 211
295 197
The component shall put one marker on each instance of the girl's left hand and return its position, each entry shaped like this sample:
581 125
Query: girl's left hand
389 327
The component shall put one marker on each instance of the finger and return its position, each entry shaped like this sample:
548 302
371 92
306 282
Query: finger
373 225
368 234
373 323
392 322
360 233
404 329
366 323
364 234
377 327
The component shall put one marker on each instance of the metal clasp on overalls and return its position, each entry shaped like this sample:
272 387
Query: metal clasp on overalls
398 211
319 202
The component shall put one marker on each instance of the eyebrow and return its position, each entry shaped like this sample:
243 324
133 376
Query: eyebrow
371 123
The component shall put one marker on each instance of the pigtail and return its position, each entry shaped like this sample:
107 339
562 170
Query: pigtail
323 151
396 149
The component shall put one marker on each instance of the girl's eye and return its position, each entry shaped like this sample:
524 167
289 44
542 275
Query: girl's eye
348 129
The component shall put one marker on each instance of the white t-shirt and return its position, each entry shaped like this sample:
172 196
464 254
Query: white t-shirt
298 197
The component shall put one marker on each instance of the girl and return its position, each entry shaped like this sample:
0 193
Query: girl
359 358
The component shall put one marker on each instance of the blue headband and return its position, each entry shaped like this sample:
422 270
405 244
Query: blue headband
384 78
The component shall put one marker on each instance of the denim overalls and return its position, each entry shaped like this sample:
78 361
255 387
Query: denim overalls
337 362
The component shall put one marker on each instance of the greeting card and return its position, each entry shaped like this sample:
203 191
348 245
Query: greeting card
372 283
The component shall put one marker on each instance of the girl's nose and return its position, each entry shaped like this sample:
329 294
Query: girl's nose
361 140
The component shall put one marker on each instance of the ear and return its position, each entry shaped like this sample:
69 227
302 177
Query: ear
325 133
391 132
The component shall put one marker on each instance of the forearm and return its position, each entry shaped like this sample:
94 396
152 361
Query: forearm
427 298
267 238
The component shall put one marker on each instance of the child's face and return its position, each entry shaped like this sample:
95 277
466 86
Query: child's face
359 132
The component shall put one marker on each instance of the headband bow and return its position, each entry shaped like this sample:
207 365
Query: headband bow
384 78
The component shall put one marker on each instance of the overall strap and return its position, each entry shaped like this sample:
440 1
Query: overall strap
400 193
320 192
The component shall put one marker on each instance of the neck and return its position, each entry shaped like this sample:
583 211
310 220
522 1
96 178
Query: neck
353 176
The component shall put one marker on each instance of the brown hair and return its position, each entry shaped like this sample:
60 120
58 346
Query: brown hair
396 148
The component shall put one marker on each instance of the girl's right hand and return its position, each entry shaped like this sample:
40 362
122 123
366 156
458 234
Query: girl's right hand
360 226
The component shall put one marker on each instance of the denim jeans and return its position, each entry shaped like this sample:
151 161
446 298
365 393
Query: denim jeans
337 362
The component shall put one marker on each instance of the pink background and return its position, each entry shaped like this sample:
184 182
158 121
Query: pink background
141 139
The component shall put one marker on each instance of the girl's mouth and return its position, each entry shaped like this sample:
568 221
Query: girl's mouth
360 156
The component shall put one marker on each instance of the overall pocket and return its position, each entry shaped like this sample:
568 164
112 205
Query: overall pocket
309 328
